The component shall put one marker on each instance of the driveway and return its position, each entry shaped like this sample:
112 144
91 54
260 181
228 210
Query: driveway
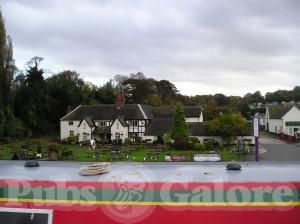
272 149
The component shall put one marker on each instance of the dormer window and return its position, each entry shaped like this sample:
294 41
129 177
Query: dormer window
102 123
70 123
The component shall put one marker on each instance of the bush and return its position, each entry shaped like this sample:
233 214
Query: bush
117 141
194 140
200 146
39 149
127 141
65 152
209 144
167 139
181 144
53 147
73 139
65 141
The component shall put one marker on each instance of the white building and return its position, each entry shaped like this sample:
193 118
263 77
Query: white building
118 121
283 120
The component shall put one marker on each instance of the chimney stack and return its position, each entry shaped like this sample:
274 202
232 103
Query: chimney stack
120 99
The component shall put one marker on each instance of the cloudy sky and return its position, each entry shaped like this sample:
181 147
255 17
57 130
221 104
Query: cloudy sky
203 46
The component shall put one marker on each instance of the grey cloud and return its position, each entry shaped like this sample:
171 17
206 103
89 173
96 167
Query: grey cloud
196 42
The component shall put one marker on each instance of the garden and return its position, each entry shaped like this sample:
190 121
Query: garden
49 148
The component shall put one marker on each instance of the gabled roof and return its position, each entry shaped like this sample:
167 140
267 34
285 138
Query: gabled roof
189 111
109 112
158 126
121 119
277 112
88 120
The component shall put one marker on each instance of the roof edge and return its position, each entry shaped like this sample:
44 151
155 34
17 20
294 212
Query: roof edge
70 112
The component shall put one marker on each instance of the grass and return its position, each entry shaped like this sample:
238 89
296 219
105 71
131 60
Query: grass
84 153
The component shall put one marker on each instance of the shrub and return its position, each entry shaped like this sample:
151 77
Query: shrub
127 141
117 141
167 139
65 152
200 146
65 141
53 147
209 144
39 149
181 144
73 139
194 140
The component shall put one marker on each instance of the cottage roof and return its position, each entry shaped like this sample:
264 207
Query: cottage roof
189 111
110 112
277 112
102 130
89 121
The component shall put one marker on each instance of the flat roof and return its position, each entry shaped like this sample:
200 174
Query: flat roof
154 172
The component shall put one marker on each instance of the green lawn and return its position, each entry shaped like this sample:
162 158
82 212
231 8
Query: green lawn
84 153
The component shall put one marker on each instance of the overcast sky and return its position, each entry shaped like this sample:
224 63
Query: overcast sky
203 46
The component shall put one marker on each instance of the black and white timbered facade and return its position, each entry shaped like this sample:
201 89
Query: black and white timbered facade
114 121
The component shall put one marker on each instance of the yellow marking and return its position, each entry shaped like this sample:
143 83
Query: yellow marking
251 204
178 174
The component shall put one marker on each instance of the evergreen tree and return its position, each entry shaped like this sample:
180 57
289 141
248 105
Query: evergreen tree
32 99
7 69
179 130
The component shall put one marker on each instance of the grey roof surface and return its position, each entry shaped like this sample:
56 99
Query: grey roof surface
277 112
89 121
123 123
158 126
102 130
189 111
108 112
155 172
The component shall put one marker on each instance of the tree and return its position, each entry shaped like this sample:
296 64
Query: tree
179 130
7 69
165 90
32 100
227 125
106 94
65 91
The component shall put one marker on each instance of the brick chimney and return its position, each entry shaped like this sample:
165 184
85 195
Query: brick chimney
120 99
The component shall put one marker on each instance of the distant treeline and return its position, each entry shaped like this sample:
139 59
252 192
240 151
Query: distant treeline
31 104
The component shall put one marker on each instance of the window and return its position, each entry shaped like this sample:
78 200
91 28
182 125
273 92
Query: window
22 215
84 125
117 125
134 123
71 133
102 123
70 123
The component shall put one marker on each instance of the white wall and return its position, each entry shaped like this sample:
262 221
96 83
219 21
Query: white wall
273 123
84 128
292 115
118 128
65 129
